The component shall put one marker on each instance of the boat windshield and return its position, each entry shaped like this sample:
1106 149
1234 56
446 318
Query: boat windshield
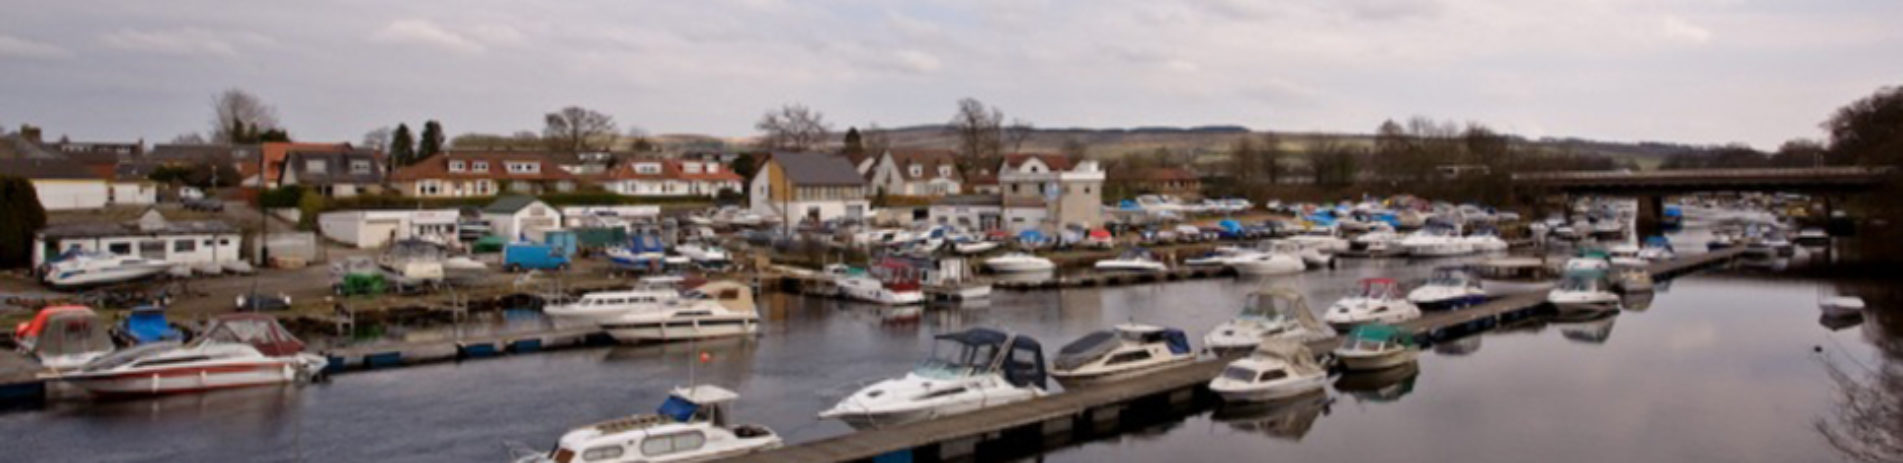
1448 277
1377 289
73 333
952 359
1238 373
1268 306
1579 283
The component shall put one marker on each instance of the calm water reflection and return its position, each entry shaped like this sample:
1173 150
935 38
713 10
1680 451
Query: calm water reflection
1716 369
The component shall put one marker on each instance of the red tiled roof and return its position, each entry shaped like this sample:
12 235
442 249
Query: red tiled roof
671 169
275 152
1054 161
437 167
929 158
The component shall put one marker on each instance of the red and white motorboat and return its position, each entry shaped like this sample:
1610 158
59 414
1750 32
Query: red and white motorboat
238 350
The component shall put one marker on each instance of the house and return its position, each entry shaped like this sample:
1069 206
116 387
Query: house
971 212
151 237
671 177
274 155
915 173
1072 194
64 184
809 187
519 217
335 174
369 229
454 174
1173 181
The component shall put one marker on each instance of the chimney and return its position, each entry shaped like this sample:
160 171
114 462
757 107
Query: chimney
30 133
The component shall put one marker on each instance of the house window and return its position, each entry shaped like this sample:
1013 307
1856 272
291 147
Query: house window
647 168
944 171
479 166
485 187
429 188
315 166
690 167
917 170
121 249
524 167
713 168
564 186
455 166
521 187
184 246
360 166
152 249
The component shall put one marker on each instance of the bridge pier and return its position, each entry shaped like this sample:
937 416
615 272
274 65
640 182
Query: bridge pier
1651 218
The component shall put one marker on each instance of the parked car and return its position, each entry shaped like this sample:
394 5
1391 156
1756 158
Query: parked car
260 302
528 256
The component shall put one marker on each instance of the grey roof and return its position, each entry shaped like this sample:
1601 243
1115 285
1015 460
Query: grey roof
107 229
818 169
969 200
509 204
336 167
195 153
46 169
17 146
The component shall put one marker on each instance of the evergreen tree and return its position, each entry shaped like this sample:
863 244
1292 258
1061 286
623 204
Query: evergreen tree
432 141
24 217
402 147
855 146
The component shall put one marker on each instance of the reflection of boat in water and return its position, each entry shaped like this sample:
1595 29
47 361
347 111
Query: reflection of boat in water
1837 322
1592 329
1288 418
1637 302
1458 347
1380 385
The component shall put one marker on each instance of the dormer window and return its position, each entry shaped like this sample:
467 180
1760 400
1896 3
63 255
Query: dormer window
455 166
944 171
690 167
713 168
359 166
479 166
917 170
647 168
315 166
524 167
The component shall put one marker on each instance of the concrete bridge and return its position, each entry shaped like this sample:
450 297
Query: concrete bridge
1651 187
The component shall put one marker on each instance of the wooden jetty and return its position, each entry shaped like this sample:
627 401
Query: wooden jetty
1099 279
961 436
389 355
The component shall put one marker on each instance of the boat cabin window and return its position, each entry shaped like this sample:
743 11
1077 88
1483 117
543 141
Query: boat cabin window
943 393
601 453
672 443
1273 375
1238 373
1579 283
1128 357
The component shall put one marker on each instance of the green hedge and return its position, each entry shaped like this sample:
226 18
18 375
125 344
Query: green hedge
281 198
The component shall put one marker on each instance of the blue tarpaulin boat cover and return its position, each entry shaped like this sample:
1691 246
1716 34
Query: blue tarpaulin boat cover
1179 342
147 324
1229 225
678 408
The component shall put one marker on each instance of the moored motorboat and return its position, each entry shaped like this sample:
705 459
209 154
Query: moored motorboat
691 425
1019 262
1583 291
860 285
81 268
598 306
1278 313
1448 288
968 370
1279 259
1278 368
1812 236
1133 260
1380 242
715 309
1122 352
1378 302
1376 347
238 350
64 337
1435 242
1657 249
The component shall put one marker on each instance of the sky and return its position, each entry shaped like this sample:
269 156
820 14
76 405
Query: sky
1692 71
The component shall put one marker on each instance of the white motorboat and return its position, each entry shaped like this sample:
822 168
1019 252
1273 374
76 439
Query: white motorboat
955 280
1322 238
1630 276
64 337
1657 249
1566 232
1313 253
1218 257
690 426
595 307
1278 368
1279 313
1448 288
413 259
1778 244
706 255
1514 275
1019 262
1435 242
1608 229
1376 347
1626 250
968 370
969 246
1486 242
1279 259
238 350
1376 243
1583 291
1133 260
1123 352
1378 302
856 284
1838 306
79 268
715 309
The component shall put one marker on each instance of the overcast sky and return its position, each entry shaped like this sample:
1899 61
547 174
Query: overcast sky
1698 71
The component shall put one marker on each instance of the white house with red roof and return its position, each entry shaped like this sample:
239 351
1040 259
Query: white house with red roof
671 177
918 172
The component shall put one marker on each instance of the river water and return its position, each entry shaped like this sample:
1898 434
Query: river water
1722 366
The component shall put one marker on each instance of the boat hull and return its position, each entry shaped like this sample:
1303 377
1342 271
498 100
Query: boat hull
187 379
1020 266
681 329
1497 288
1073 380
1376 361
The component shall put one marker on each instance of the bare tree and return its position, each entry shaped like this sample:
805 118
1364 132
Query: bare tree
979 129
378 138
1016 133
575 129
875 139
1075 149
239 115
793 127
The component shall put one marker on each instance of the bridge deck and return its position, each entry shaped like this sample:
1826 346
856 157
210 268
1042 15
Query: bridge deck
870 443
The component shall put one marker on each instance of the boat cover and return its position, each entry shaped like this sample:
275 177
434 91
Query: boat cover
72 332
1086 349
1381 333
1179 342
1023 360
148 324
678 408
258 330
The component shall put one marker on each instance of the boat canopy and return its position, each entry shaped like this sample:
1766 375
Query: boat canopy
32 329
1379 288
70 332
258 330
1020 358
1086 349
1377 332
